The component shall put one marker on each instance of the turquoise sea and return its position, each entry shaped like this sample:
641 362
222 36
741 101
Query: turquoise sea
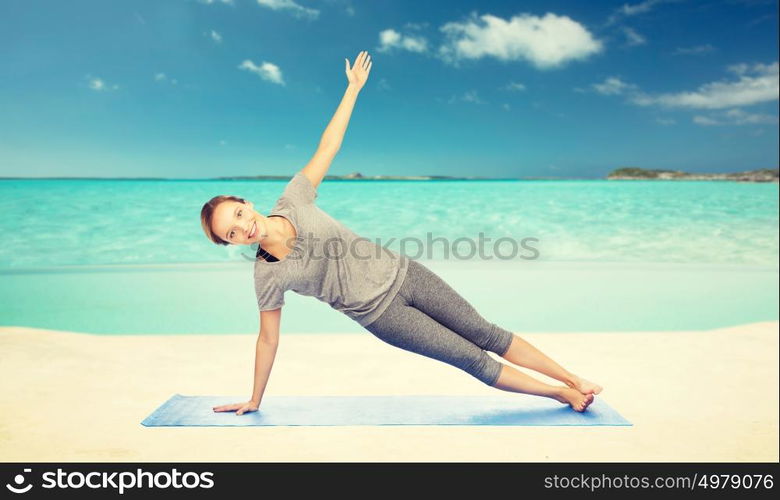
129 256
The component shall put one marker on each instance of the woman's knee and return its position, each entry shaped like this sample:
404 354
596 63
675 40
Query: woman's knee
501 340
492 337
485 369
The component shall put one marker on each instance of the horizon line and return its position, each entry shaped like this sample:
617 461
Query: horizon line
357 176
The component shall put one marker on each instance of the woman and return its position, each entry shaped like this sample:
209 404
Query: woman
397 299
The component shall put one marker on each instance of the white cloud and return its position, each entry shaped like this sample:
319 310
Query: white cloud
703 120
517 86
215 36
471 96
506 106
383 85
613 86
162 77
296 9
627 10
739 69
99 85
694 51
210 2
468 96
757 83
546 42
760 19
637 8
267 71
743 118
736 116
416 26
666 121
390 39
633 38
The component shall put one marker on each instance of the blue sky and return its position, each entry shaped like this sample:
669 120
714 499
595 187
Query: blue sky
198 88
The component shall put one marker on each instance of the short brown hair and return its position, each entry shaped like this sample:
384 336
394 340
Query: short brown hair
207 213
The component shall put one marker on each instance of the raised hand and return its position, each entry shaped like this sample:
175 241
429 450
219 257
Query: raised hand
239 408
358 73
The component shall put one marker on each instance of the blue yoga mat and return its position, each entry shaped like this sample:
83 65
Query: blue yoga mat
516 409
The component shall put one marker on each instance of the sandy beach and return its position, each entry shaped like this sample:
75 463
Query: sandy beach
692 396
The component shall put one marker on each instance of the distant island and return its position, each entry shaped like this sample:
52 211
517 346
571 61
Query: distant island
623 173
634 173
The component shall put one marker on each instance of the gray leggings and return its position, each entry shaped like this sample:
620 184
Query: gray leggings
428 317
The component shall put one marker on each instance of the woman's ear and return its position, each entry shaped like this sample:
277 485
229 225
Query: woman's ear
251 205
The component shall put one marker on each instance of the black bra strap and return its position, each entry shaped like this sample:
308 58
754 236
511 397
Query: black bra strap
265 255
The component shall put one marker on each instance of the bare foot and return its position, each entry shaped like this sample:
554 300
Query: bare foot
585 386
577 400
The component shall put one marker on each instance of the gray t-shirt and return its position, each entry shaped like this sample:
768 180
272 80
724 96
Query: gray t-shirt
330 262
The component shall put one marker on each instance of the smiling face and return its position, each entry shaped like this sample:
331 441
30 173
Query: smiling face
237 223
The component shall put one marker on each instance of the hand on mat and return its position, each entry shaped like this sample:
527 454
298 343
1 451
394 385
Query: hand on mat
358 73
239 408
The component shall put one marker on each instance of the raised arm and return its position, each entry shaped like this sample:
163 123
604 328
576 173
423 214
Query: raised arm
330 142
